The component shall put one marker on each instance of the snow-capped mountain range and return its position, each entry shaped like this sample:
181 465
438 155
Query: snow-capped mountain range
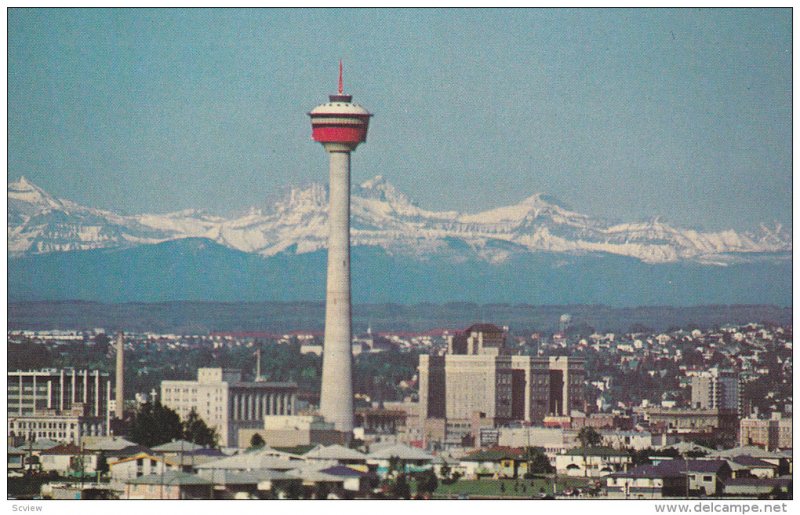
383 217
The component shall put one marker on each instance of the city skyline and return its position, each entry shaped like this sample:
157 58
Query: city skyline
611 111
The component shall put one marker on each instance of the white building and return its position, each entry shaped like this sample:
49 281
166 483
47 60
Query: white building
139 465
226 403
592 462
716 389
38 401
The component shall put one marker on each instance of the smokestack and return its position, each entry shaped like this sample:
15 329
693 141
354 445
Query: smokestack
120 385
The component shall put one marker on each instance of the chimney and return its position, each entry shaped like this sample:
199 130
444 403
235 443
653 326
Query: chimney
120 384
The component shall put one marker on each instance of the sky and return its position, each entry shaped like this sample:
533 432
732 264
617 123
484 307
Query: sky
622 114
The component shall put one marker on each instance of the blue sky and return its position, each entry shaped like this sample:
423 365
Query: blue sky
623 114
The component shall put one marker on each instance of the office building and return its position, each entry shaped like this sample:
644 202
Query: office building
479 375
226 403
716 389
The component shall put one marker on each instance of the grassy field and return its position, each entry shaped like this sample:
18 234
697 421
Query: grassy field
525 488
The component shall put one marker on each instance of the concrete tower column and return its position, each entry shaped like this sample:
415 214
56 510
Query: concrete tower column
271 400
72 397
61 390
336 399
119 392
96 393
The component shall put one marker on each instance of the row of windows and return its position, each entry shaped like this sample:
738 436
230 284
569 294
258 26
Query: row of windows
42 425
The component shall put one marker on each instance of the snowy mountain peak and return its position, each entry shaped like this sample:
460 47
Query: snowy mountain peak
378 188
385 217
25 194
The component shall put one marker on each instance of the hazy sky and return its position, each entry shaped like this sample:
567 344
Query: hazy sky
624 114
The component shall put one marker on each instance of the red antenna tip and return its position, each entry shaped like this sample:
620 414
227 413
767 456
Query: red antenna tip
341 82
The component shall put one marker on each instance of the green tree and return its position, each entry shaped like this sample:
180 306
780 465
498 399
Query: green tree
154 424
196 431
257 441
538 463
102 464
427 483
395 465
588 437
400 488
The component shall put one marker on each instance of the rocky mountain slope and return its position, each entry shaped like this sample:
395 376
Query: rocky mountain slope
382 216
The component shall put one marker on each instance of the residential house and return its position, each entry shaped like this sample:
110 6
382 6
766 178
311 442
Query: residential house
758 487
68 459
495 464
592 462
170 485
410 459
138 465
646 482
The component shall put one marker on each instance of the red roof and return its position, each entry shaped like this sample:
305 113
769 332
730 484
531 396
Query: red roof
64 449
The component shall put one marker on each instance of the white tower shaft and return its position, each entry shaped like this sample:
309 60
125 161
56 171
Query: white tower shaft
119 397
336 398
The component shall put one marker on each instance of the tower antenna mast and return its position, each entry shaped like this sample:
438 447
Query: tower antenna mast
341 81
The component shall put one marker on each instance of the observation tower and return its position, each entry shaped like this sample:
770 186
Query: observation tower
340 125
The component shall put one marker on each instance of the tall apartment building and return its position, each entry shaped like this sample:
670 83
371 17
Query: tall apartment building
228 404
716 389
773 433
62 405
479 375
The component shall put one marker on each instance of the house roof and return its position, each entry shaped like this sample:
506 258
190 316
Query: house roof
342 471
595 451
143 455
177 446
492 455
684 447
750 461
256 460
653 471
335 452
309 474
106 443
758 481
41 444
703 466
748 450
67 449
403 452
249 477
169 478
296 450
440 460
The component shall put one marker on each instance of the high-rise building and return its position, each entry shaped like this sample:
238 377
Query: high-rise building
228 404
32 391
62 405
479 375
340 125
716 389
